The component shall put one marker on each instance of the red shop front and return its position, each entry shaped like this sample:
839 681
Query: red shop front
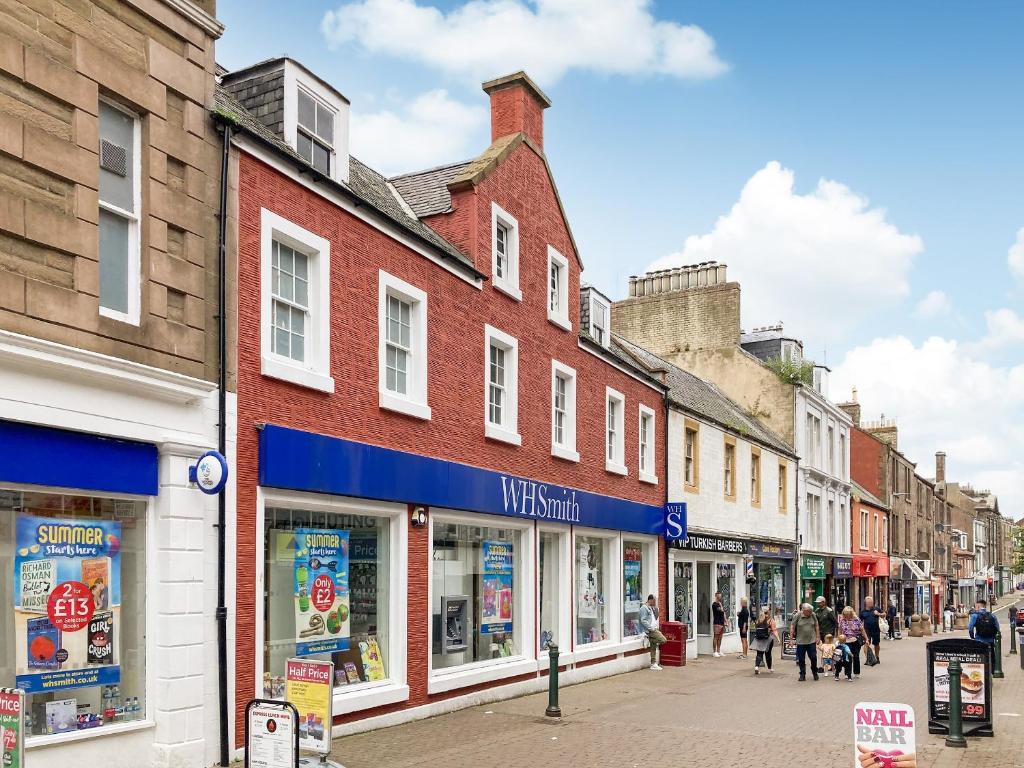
870 575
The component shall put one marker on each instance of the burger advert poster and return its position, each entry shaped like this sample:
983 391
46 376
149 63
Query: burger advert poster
972 685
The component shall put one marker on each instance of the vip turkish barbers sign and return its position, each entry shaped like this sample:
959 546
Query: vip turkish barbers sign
702 543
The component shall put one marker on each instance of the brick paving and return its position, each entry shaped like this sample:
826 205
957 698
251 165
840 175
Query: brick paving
713 712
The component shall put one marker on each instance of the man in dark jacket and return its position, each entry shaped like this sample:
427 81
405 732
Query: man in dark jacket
890 616
827 623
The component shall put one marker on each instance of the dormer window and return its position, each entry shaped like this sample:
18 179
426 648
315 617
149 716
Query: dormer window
599 311
314 140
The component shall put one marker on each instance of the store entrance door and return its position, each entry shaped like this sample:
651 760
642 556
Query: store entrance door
704 599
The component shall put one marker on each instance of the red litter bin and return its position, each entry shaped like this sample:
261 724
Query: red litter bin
673 651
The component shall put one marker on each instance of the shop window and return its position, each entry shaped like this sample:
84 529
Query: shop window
593 561
725 582
771 590
476 576
327 592
682 595
402 347
295 303
85 674
632 587
552 566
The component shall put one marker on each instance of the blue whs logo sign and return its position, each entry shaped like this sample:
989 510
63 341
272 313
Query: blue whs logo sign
675 522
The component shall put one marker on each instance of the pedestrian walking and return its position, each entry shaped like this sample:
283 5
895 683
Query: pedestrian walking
842 658
984 626
890 616
766 633
718 623
869 618
908 611
825 651
805 632
947 615
853 629
742 620
827 622
649 621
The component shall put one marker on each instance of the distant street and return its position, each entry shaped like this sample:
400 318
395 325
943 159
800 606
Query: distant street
713 712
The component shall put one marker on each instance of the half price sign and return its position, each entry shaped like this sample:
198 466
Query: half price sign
70 606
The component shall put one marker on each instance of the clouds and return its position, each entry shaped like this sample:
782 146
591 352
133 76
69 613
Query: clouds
430 130
935 304
946 398
483 39
1015 257
823 259
1005 328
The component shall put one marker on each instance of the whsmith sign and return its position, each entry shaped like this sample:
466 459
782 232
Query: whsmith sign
305 461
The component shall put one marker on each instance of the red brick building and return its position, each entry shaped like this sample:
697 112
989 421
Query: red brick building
869 543
423 381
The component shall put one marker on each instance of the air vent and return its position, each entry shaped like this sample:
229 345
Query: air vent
113 158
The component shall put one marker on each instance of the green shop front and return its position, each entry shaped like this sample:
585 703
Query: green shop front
813 570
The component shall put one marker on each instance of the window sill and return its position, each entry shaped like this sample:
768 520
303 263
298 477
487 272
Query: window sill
121 317
565 453
565 659
562 321
504 435
729 498
478 674
648 478
509 290
606 648
401 405
54 739
293 374
618 469
369 698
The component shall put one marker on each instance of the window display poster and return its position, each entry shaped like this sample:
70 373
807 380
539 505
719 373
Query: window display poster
322 620
496 610
373 662
589 597
67 602
632 558
309 686
885 732
683 573
12 728
972 685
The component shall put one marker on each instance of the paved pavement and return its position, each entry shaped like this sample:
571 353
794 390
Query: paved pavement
713 712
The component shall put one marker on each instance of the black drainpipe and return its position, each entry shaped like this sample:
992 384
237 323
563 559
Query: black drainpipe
796 563
222 381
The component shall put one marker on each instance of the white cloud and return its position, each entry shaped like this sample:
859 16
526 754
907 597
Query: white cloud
1015 257
482 39
936 303
1005 328
820 261
945 399
430 130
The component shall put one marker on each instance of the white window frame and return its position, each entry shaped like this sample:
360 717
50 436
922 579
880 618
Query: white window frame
566 631
134 265
559 317
370 695
646 474
595 299
315 372
878 532
830 436
525 606
613 597
610 464
567 449
332 156
508 283
415 403
865 523
508 430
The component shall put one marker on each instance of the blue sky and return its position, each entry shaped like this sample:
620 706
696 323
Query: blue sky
913 106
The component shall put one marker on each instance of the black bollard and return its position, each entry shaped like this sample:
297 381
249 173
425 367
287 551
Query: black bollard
1013 641
956 723
553 709
997 661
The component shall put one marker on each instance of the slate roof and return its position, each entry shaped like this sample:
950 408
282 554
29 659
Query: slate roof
868 496
365 184
427 191
704 399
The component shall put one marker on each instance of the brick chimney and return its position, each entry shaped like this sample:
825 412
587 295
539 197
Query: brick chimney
852 408
884 429
517 106
940 467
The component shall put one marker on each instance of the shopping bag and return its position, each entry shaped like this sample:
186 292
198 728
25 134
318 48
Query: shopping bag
871 660
883 626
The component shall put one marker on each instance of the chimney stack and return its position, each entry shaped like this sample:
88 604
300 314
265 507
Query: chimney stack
940 467
852 408
517 106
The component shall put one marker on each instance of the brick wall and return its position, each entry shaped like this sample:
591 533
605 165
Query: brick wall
681 321
457 314
56 59
867 462
514 110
